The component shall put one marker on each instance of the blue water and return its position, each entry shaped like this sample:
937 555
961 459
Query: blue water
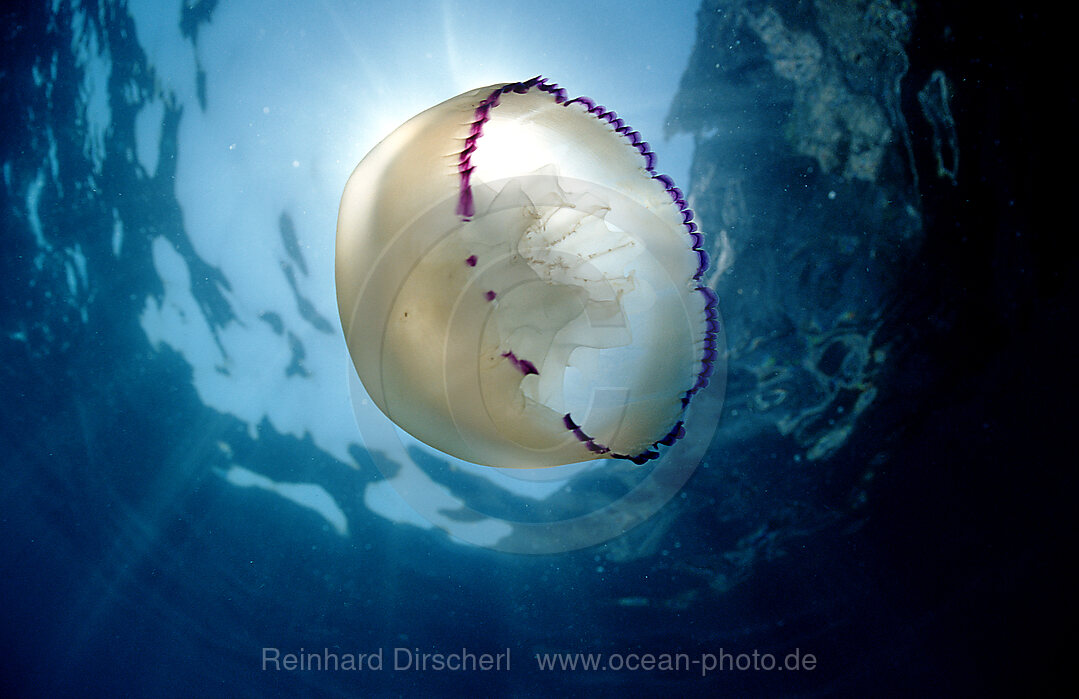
193 483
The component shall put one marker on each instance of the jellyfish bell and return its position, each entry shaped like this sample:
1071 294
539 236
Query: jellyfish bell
517 285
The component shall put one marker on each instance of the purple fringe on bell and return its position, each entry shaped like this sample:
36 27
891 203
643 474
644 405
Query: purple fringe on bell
523 365
466 210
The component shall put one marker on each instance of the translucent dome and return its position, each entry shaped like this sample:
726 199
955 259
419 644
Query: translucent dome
517 285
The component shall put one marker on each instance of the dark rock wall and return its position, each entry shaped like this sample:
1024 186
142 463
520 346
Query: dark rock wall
804 180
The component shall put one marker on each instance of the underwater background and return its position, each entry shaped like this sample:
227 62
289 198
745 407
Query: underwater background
188 476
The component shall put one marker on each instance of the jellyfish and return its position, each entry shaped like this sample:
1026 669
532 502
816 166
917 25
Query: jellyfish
518 286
